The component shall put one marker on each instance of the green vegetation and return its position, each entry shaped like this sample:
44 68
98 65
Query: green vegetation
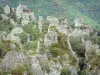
60 9
71 9
77 46
65 71
60 48
56 50
18 69
95 38
5 26
84 72
93 59
32 30
4 47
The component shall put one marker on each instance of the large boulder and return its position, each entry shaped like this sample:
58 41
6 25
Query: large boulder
13 59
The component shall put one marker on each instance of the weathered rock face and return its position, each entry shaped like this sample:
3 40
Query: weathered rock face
19 11
32 16
22 12
41 65
50 37
13 22
3 35
4 17
92 57
77 32
79 22
40 26
28 37
64 29
14 34
53 20
13 59
6 9
25 18
63 21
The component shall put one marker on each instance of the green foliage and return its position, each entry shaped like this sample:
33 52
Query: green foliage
4 46
95 39
98 40
71 9
23 37
73 61
31 45
19 69
77 46
32 30
93 59
1 10
56 50
5 26
84 72
12 15
45 27
53 28
60 48
65 71
9 74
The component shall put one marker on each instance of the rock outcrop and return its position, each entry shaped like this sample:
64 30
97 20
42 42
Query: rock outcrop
7 10
13 59
92 58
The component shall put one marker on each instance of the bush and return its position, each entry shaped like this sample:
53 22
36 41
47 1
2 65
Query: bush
18 69
56 50
60 48
84 72
98 40
77 46
23 37
65 71
5 26
32 30
30 45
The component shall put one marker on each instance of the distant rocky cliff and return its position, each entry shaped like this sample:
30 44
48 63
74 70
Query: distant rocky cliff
31 46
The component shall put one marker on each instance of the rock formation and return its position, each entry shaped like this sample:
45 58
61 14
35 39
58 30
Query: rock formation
7 10
53 52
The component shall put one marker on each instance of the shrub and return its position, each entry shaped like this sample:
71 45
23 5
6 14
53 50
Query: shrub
56 50
32 30
84 72
5 26
77 46
18 69
23 37
30 45
60 48
65 71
